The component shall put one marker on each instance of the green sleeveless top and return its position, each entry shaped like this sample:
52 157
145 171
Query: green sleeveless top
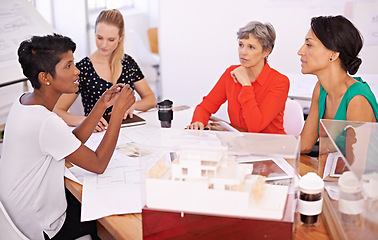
357 88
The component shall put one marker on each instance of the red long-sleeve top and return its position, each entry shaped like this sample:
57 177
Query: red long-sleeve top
257 108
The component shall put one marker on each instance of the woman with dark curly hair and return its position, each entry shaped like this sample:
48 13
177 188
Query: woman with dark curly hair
330 52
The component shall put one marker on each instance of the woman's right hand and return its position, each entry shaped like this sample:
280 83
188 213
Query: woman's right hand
109 96
240 74
124 100
196 126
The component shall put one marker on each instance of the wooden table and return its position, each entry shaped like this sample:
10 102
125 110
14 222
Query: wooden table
129 226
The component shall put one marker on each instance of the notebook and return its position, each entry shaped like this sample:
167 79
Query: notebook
128 122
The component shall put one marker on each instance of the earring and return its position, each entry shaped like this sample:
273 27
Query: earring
330 59
48 83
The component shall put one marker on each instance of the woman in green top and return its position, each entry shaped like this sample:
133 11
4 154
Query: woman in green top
330 52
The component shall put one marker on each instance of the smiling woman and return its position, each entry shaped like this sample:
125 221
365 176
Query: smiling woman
256 93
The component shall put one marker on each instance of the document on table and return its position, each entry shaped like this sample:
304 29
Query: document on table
116 191
120 189
94 140
176 138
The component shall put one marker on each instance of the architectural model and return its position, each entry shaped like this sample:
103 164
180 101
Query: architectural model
210 182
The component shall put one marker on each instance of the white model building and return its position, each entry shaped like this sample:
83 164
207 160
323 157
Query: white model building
212 183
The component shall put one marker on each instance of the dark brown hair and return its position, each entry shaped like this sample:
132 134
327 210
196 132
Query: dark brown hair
338 34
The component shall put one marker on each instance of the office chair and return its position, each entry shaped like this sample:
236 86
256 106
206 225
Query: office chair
145 57
144 54
293 118
7 228
9 231
153 39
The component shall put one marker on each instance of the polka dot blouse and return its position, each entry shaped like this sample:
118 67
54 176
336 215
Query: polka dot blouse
92 86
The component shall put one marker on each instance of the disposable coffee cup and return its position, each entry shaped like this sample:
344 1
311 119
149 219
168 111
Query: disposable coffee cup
351 201
165 113
310 198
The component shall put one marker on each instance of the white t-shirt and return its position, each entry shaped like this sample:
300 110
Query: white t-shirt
36 141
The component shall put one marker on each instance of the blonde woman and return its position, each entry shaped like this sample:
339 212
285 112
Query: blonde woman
107 66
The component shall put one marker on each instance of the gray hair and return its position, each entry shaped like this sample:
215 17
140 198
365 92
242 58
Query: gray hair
265 33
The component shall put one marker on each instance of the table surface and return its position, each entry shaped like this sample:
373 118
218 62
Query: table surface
129 226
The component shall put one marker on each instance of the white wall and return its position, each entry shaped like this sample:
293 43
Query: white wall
79 24
70 19
197 39
20 21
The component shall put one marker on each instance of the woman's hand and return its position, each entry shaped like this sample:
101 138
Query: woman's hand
124 100
196 126
107 99
129 111
109 96
240 75
120 95
101 125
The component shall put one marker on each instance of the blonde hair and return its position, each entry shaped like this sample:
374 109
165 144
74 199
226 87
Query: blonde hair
114 17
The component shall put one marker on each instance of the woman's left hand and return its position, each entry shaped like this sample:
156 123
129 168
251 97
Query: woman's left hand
101 125
240 75
129 111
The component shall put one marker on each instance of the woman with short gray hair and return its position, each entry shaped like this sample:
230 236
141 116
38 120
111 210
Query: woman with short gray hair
263 32
256 93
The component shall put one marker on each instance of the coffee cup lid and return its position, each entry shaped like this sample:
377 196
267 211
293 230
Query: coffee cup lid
311 183
166 102
348 182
